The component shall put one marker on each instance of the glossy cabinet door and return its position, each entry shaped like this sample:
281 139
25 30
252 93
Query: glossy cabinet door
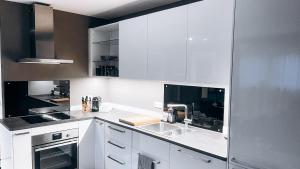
210 36
183 158
133 48
22 151
86 144
154 148
167 33
264 129
99 144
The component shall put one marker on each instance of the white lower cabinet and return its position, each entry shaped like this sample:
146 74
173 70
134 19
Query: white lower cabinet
86 144
154 148
99 144
183 158
22 152
117 147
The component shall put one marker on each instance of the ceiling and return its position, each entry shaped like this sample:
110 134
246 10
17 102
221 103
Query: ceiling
106 9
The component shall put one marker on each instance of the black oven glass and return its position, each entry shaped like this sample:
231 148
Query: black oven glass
56 157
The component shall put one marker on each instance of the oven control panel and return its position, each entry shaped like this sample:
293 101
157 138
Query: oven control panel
55 136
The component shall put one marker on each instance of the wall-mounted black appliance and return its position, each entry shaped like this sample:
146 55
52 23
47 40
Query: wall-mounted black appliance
36 98
205 104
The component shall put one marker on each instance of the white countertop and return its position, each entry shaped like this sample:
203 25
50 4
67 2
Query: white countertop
201 139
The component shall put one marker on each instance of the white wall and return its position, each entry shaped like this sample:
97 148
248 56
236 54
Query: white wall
137 93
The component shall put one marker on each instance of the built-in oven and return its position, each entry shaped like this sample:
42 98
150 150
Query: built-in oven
58 150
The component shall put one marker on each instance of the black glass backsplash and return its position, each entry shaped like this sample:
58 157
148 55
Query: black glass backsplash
205 105
23 98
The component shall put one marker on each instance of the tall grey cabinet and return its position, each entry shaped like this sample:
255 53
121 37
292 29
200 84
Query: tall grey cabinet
264 131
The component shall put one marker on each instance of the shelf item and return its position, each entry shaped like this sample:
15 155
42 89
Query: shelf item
107 42
104 50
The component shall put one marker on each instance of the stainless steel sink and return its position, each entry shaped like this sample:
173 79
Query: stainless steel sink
166 129
177 132
160 127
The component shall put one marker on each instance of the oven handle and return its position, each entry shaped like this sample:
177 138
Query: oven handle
58 144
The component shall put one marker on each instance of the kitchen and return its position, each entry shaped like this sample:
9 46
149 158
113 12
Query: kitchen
150 84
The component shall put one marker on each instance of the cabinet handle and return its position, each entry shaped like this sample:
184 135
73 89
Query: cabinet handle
243 164
112 128
18 134
115 160
204 160
114 144
100 123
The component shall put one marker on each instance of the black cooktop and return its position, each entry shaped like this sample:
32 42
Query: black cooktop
47 117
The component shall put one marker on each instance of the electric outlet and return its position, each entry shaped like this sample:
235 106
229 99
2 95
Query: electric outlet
158 105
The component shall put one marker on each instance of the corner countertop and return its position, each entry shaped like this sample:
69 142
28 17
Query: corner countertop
204 141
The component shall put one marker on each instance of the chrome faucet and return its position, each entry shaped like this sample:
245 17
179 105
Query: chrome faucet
186 120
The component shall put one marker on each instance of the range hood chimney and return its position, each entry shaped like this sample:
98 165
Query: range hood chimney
42 37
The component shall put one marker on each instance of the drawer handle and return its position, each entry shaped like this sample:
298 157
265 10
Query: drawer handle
115 160
121 131
18 134
204 160
100 123
243 164
114 144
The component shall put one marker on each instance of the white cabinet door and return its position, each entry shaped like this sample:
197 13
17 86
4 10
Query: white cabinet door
182 158
133 48
167 34
99 144
86 145
210 36
22 151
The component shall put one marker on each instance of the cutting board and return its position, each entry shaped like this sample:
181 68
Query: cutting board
138 120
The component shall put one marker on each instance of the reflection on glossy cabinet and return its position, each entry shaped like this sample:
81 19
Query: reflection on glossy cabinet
133 48
210 36
167 32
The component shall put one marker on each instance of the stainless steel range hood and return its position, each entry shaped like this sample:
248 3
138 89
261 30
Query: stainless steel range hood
42 37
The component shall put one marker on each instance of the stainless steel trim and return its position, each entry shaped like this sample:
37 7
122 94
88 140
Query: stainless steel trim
54 145
114 144
121 131
243 164
45 61
48 137
23 133
120 162
191 156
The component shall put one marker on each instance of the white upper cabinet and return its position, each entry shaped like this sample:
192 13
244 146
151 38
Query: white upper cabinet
210 35
133 48
167 34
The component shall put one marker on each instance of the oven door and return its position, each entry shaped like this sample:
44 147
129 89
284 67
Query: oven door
57 155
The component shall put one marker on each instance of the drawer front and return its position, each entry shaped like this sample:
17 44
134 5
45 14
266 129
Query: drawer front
118 135
155 148
158 164
181 157
112 162
121 152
